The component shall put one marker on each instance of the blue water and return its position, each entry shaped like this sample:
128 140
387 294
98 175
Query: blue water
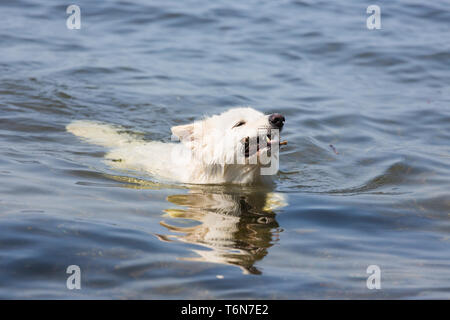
379 195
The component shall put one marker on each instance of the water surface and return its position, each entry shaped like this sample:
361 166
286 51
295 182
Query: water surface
364 180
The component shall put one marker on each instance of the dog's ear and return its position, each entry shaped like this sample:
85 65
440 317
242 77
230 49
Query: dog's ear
184 132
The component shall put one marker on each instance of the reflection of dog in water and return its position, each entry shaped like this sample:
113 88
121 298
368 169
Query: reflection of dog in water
236 228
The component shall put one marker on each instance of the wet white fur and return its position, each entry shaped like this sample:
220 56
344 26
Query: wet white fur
206 154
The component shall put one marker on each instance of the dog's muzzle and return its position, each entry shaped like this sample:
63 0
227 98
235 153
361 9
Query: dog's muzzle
277 120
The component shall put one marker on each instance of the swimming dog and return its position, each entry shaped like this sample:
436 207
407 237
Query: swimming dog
239 146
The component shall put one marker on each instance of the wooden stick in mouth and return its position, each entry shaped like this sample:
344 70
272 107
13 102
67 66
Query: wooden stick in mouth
283 143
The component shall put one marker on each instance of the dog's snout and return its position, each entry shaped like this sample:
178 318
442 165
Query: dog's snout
277 120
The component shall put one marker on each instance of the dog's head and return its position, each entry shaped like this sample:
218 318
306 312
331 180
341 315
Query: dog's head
239 132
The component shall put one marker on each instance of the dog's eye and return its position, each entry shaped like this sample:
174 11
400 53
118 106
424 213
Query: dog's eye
240 123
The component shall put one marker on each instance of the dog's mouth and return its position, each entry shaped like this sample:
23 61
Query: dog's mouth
268 144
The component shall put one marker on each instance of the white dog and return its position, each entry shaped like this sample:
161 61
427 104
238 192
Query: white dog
234 147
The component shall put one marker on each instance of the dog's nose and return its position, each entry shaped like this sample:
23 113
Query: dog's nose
277 120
